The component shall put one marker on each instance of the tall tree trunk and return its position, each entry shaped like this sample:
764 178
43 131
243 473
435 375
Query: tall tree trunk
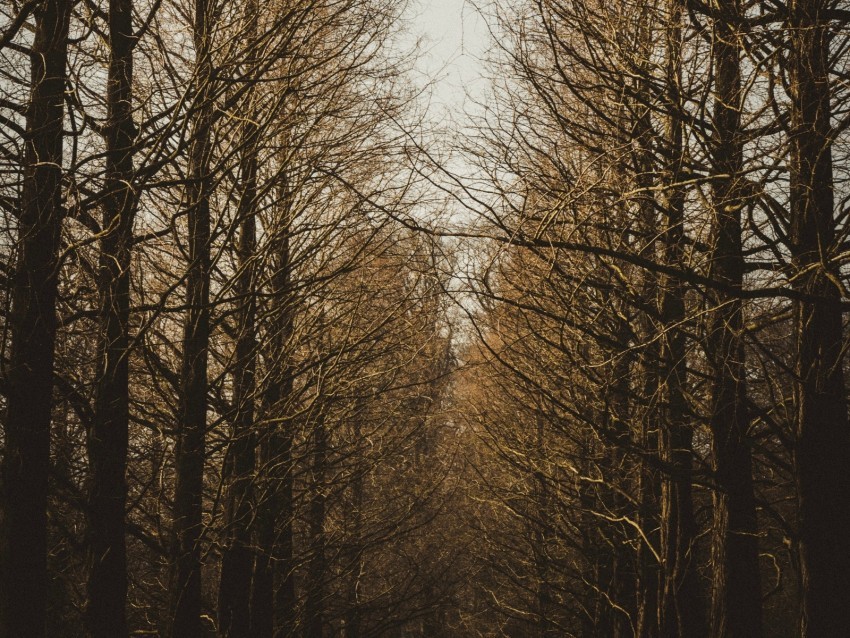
681 605
736 583
623 594
274 553
314 605
188 493
107 440
649 577
234 594
355 553
649 483
29 380
540 538
234 597
822 444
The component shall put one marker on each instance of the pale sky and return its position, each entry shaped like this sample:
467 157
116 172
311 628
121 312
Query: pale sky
455 37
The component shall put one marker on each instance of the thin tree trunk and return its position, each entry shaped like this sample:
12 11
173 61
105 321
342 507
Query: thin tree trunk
649 580
649 487
188 494
736 583
540 546
681 605
29 380
314 605
822 444
648 484
108 438
274 553
234 594
352 615
623 592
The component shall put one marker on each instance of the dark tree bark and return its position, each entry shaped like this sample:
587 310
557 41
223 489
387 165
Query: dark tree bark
681 605
540 540
355 549
234 593
29 379
736 583
188 492
822 444
623 593
314 605
648 484
649 576
107 439
273 593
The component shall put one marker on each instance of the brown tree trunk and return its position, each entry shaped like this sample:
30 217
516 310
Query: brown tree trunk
649 483
822 444
107 440
681 605
234 594
274 552
188 493
623 592
649 580
649 486
314 605
736 583
540 538
355 551
29 380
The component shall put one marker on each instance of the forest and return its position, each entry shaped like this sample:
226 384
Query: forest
284 352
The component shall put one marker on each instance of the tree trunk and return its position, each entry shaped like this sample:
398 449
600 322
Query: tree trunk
355 553
234 594
681 605
649 580
648 483
188 493
540 538
29 380
822 444
274 559
736 583
623 592
108 438
314 605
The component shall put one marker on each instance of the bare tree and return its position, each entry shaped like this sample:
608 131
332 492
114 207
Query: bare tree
108 439
32 324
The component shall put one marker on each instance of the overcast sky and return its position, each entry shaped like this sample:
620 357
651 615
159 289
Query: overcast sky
454 39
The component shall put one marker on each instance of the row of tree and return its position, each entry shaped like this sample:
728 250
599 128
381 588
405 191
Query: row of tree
223 360
657 382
